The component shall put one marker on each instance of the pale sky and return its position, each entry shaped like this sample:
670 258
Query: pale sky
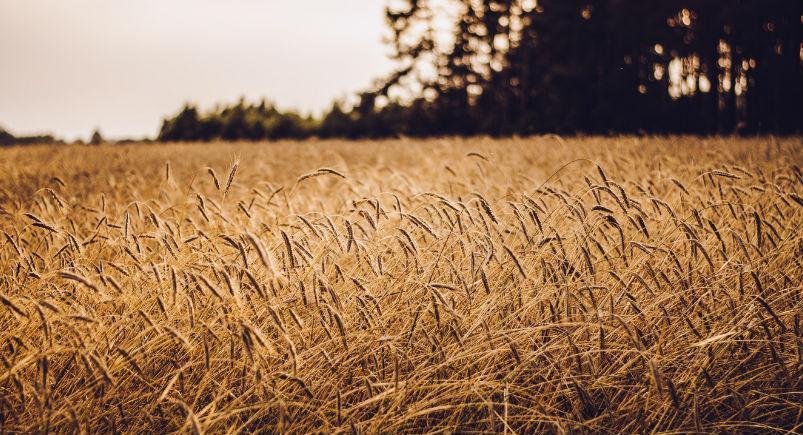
69 66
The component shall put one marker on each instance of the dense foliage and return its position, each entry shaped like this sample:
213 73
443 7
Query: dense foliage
237 122
701 66
594 66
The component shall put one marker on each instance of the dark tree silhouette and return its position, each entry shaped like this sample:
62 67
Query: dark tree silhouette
96 138
701 66
6 138
566 66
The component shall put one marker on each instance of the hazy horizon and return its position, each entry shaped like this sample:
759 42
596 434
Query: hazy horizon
123 66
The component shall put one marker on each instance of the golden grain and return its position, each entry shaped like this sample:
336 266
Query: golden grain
510 292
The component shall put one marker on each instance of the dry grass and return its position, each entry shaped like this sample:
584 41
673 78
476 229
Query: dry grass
479 285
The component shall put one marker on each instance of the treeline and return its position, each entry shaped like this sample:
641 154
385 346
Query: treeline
6 138
566 66
690 66
240 121
243 121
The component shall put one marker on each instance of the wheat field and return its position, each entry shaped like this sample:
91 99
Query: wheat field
546 284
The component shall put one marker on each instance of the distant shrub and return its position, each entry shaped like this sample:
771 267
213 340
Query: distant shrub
6 138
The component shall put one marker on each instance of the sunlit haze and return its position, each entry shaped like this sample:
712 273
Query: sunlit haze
71 66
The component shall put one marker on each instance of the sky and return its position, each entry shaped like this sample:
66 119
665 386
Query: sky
70 66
